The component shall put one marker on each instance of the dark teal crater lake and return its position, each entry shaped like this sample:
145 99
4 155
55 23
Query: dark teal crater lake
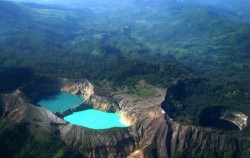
61 101
95 119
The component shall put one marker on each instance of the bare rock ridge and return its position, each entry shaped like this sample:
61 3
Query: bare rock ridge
150 133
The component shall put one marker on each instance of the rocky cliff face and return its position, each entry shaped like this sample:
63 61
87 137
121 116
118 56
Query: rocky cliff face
235 117
78 87
160 136
151 132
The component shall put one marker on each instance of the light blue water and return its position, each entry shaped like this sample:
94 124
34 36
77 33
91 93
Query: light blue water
95 119
61 101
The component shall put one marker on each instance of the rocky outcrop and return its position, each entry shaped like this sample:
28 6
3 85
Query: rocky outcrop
78 87
197 142
223 113
13 107
148 124
235 117
151 132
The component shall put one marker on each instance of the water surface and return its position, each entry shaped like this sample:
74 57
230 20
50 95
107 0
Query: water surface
95 119
60 101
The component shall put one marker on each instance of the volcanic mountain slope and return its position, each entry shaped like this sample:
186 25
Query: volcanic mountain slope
152 133
121 44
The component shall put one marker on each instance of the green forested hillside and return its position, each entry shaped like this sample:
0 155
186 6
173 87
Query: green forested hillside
68 43
198 38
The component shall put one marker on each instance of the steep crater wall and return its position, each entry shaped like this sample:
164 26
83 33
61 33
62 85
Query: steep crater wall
223 118
113 142
82 88
195 101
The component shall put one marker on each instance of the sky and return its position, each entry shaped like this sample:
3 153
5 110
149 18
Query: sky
227 3
60 2
236 6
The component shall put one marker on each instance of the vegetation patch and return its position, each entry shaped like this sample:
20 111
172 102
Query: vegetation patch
141 89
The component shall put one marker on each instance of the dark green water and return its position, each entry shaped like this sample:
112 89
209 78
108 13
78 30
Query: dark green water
221 124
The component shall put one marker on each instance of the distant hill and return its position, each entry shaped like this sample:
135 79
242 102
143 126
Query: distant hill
240 10
196 35
71 3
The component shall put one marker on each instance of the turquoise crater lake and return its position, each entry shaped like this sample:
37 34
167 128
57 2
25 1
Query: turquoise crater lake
95 119
60 101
